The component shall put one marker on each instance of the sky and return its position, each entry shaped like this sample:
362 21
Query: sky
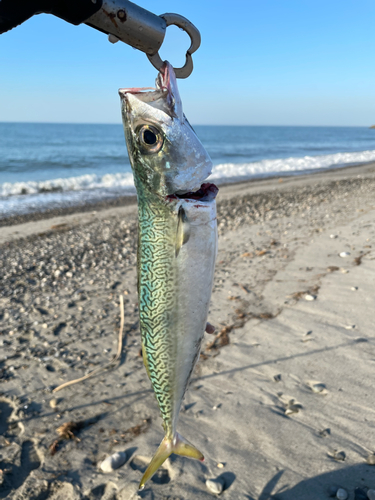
261 62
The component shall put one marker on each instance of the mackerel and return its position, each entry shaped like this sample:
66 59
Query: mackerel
177 246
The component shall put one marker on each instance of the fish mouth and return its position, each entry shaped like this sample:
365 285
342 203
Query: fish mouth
164 96
207 192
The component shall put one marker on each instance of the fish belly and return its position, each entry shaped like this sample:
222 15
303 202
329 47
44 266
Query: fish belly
174 294
195 268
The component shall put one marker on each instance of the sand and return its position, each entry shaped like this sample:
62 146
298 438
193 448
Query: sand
282 400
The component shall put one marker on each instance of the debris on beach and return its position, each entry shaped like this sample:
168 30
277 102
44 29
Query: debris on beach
221 339
69 430
310 294
332 269
358 260
66 431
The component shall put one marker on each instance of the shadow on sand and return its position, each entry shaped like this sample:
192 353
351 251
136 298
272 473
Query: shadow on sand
360 476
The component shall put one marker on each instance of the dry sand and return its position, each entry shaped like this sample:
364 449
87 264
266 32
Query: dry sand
283 398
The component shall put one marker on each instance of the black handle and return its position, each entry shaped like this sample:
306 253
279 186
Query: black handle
15 12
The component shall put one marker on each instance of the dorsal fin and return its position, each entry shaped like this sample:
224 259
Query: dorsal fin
183 230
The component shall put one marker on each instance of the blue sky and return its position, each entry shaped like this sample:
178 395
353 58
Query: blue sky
269 62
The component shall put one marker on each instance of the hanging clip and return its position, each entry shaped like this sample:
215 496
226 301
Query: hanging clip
195 37
124 20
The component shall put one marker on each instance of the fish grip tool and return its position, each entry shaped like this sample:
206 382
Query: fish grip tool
121 20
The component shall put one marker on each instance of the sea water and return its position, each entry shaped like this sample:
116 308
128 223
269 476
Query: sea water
55 165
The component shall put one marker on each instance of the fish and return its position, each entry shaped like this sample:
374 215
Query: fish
177 246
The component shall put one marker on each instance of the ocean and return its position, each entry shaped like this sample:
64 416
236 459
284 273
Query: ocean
46 166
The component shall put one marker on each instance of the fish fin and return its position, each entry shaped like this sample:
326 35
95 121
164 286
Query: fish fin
185 449
161 455
183 230
178 445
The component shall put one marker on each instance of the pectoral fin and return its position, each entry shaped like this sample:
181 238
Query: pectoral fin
183 230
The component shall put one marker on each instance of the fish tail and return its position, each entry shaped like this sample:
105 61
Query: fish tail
178 445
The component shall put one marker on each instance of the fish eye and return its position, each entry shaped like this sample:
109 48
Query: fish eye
151 139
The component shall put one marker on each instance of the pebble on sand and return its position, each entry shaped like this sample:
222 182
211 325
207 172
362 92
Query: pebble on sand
215 486
310 297
371 459
325 433
113 462
342 494
317 387
371 494
344 254
292 407
339 456
53 403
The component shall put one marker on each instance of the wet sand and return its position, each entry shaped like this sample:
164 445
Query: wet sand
282 397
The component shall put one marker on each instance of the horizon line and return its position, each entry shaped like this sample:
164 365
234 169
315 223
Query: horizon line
194 125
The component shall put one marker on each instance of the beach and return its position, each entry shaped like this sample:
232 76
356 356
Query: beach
282 400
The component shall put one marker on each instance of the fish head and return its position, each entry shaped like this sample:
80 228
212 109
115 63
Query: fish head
166 155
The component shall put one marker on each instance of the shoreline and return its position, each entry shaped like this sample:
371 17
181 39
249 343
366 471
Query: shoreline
18 227
226 190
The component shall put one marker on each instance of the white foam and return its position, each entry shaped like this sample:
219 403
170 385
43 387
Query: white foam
225 172
82 182
237 171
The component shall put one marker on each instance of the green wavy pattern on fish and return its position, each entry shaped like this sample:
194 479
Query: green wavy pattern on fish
157 301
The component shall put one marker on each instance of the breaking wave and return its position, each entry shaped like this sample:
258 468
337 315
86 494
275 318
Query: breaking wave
223 172
82 182
232 172
33 196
